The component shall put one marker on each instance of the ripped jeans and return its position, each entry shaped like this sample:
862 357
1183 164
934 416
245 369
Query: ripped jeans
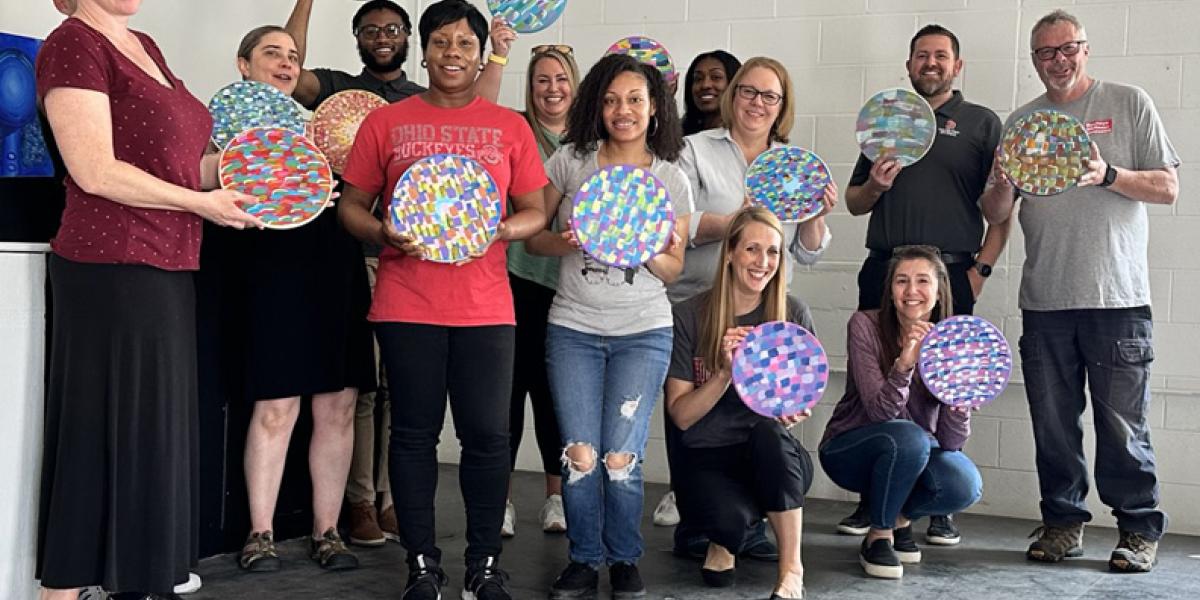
604 392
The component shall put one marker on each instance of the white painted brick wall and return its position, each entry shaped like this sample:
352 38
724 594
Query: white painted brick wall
840 52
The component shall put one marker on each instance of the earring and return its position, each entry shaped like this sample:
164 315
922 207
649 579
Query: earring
653 126
424 64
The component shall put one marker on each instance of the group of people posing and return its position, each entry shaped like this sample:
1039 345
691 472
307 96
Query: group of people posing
593 347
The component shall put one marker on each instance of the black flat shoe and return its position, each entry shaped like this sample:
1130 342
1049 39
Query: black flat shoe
719 579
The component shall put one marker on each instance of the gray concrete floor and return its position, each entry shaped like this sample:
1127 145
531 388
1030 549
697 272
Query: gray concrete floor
989 564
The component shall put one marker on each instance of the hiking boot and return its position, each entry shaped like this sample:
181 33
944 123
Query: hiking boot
485 581
425 580
857 523
626 581
904 546
388 524
331 552
878 559
1134 554
258 553
1055 543
364 529
577 581
942 531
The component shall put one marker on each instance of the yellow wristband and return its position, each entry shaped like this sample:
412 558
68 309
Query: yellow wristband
500 60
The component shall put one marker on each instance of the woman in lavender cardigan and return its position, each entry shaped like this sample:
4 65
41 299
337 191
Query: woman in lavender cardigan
889 438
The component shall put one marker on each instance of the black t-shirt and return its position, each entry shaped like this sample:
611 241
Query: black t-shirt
333 82
729 421
935 201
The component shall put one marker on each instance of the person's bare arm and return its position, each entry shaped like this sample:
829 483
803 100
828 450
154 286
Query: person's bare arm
488 82
860 199
82 124
1152 186
308 87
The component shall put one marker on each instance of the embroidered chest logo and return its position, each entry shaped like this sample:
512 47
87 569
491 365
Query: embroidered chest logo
951 129
1099 126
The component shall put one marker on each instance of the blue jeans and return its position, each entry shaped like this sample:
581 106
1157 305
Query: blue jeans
901 470
604 391
1112 350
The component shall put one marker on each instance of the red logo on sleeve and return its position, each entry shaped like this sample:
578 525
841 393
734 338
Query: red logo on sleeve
1098 126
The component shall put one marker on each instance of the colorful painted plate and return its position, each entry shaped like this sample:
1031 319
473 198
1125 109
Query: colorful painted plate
788 181
780 369
965 361
528 16
449 204
242 105
622 216
286 172
646 51
1045 152
897 124
336 122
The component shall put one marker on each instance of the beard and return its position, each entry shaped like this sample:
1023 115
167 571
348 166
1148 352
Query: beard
372 64
929 88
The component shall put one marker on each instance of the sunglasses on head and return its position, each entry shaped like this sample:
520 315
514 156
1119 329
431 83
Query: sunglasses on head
559 48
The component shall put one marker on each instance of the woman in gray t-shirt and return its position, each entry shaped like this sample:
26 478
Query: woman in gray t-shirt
608 341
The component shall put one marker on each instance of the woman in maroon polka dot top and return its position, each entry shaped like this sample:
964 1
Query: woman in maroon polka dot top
119 475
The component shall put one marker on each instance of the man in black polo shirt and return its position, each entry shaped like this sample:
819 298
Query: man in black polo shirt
933 202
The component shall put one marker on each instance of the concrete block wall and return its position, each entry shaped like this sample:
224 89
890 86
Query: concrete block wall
839 53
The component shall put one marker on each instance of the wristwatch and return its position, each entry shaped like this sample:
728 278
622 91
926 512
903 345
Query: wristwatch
1110 175
984 269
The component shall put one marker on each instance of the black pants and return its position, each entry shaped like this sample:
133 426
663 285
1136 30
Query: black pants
874 271
532 302
728 489
473 365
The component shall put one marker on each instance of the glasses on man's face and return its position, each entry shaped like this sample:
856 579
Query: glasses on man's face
559 48
372 32
747 92
1067 49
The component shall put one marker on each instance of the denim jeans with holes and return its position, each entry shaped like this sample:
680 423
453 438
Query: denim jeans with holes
604 390
1110 350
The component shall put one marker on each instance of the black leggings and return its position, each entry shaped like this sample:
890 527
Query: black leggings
473 365
532 303
729 488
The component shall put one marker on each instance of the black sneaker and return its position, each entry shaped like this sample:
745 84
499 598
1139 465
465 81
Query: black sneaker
425 580
1135 553
858 523
902 543
626 581
879 560
576 581
942 531
485 581
757 545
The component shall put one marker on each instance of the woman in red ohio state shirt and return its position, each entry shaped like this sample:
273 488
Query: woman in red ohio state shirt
119 474
446 328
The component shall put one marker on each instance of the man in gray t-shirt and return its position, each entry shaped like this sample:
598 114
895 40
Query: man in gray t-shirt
1085 300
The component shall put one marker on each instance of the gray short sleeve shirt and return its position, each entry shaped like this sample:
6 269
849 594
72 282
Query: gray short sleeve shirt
1087 247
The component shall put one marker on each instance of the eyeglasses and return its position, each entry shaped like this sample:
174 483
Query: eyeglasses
390 31
559 48
750 93
1067 49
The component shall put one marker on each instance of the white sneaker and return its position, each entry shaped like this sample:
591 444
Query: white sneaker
666 514
509 527
554 520
191 586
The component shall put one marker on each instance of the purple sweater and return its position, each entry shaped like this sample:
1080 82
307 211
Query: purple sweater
873 396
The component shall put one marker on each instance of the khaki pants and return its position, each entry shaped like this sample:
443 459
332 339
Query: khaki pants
367 479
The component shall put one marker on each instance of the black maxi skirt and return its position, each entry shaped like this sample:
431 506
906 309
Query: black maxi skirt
119 471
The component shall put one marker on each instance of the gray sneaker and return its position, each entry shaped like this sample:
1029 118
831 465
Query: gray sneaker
1134 554
1055 543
